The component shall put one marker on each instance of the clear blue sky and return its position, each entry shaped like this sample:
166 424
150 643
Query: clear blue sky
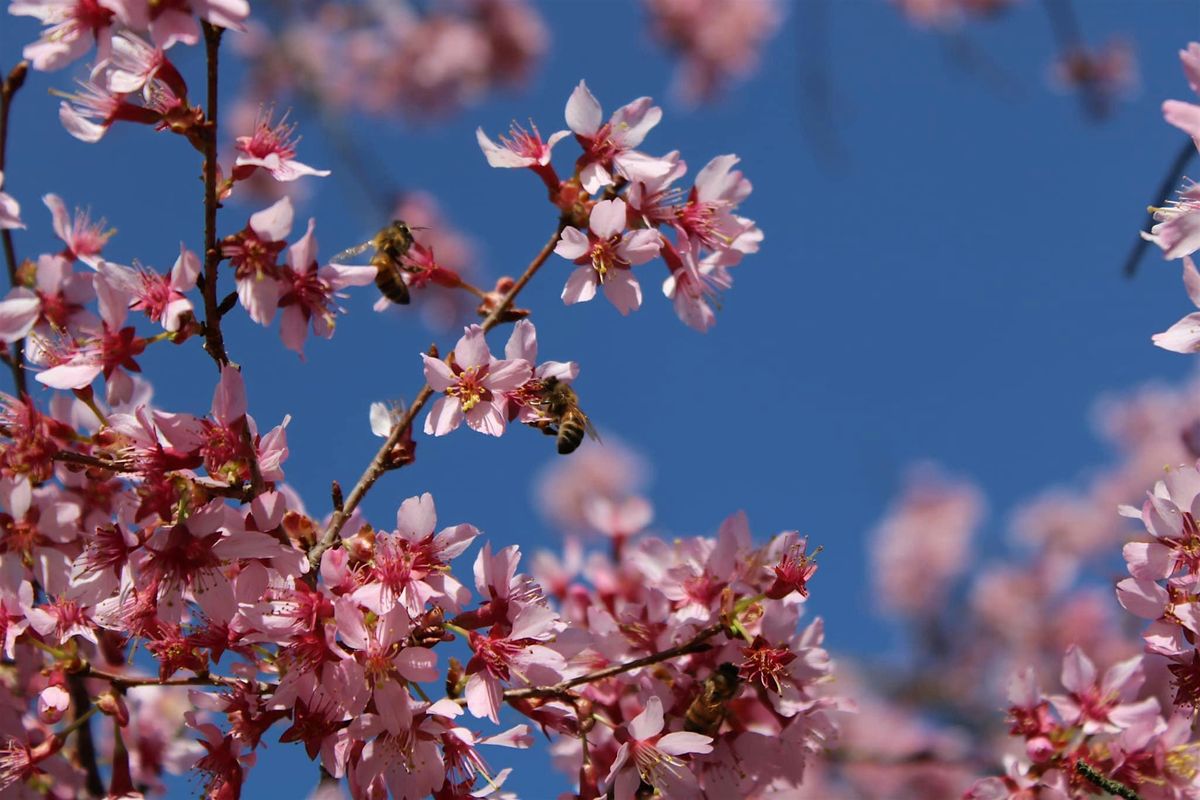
947 288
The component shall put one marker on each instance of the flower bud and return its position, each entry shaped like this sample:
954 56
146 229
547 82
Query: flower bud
52 704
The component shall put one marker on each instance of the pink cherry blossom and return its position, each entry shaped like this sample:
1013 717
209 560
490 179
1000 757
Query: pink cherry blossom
521 148
161 297
474 384
1105 706
273 148
647 754
84 239
254 254
609 145
308 291
71 28
605 255
57 300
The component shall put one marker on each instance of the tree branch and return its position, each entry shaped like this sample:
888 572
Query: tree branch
81 702
378 464
214 342
696 644
8 89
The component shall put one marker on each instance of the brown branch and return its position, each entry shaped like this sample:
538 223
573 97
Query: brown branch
214 342
132 682
696 644
85 460
378 464
11 84
85 748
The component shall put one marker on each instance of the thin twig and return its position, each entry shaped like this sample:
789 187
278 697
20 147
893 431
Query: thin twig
1174 173
214 343
696 643
8 89
1068 36
378 464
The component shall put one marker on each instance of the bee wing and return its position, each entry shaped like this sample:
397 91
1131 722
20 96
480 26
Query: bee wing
350 252
590 428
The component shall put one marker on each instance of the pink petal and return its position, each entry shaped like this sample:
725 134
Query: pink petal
581 286
1124 678
505 376
608 218
572 244
186 270
499 156
1178 236
1182 337
583 111
229 400
1148 561
472 349
594 177
1078 672
486 418
417 517
438 374
716 178
1184 116
293 329
1191 280
640 246
418 664
303 253
522 344
483 696
1190 59
623 290
69 376
18 312
649 722
681 742
445 416
273 223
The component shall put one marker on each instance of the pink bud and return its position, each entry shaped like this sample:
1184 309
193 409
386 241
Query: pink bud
53 703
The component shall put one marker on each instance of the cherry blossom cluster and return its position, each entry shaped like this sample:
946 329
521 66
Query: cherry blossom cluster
621 208
159 576
715 40
419 60
1163 573
1101 735
1177 228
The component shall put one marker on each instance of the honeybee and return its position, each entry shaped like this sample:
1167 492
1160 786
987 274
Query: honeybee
391 243
707 711
560 405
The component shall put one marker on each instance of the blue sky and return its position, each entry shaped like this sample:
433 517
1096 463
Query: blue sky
947 288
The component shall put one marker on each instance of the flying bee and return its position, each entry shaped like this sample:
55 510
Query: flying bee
391 244
707 711
560 405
